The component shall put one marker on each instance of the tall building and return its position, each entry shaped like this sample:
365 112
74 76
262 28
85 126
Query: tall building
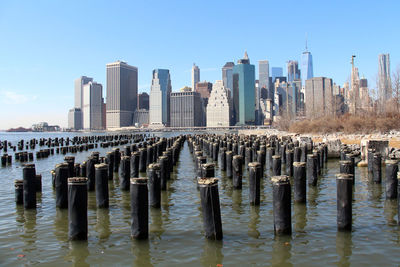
263 74
195 76
93 106
218 109
143 101
244 98
79 83
141 117
122 87
186 109
319 99
276 72
227 70
384 81
75 119
293 72
306 66
204 89
159 97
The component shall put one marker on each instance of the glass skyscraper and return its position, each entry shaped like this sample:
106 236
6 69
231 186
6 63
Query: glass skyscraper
244 92
293 72
276 72
159 97
384 81
306 67
227 75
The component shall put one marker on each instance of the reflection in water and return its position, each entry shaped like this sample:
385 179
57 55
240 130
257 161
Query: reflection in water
126 200
212 253
313 194
30 230
344 245
61 224
78 253
165 196
156 225
237 201
300 217
103 224
19 218
141 251
375 191
281 251
390 210
254 221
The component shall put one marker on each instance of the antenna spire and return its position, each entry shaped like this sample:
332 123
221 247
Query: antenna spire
306 43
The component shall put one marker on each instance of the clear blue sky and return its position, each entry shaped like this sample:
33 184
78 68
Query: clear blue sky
45 45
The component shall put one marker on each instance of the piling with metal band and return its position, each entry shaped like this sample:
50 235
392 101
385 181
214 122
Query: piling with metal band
299 178
70 160
19 192
139 208
260 159
391 178
317 155
370 159
237 171
164 173
229 158
248 156
117 159
61 185
207 170
276 165
110 163
215 151
77 208
211 208
377 168
153 174
222 158
304 152
149 158
124 173
282 205
289 162
82 171
344 191
312 169
297 154
90 173
29 177
101 175
283 154
346 166
142 159
200 160
38 183
254 183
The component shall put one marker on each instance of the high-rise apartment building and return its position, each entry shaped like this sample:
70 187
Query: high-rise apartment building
227 70
244 99
306 67
263 74
293 72
319 99
143 101
122 88
384 80
218 109
93 106
159 97
186 109
195 76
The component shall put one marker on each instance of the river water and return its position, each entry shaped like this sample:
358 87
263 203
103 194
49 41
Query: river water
176 236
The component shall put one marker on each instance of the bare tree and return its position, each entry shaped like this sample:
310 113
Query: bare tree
396 87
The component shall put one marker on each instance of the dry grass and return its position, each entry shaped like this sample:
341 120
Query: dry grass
349 124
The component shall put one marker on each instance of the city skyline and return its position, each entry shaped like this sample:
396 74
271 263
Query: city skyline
57 55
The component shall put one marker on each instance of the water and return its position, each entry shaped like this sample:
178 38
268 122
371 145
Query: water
176 237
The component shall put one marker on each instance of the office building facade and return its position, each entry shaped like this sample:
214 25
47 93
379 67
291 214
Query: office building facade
143 101
122 88
244 98
384 80
227 71
79 83
93 106
186 109
319 99
306 67
218 108
195 76
293 72
159 97
75 119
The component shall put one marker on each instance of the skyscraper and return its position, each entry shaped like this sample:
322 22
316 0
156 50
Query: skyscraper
218 106
319 97
75 119
276 72
186 109
143 101
244 91
79 83
159 97
293 72
122 86
195 76
227 75
263 74
384 81
306 67
92 106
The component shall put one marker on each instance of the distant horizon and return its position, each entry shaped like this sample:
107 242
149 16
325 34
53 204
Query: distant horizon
51 44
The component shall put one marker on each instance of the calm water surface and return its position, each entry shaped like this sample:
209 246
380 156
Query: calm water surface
176 237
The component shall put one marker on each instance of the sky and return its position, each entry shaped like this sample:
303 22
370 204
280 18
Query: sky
45 45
